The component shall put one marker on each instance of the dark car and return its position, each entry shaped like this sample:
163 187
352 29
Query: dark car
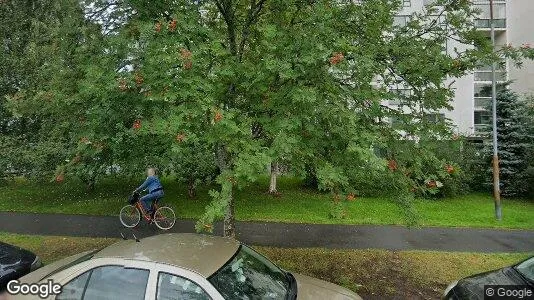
472 287
15 263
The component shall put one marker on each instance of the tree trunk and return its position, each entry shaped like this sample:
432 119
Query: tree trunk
89 182
311 178
223 160
229 218
191 189
274 173
90 185
227 10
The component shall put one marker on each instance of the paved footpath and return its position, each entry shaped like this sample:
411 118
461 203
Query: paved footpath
288 235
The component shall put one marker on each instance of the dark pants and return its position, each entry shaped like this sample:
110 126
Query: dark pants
148 199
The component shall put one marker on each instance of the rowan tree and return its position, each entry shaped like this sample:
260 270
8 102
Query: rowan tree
256 81
292 79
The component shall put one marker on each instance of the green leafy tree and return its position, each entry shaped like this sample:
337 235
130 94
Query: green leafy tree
24 27
193 163
515 144
292 79
75 129
256 81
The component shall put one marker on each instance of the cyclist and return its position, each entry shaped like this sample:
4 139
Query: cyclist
155 190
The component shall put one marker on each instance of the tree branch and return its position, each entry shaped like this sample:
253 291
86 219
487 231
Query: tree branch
102 9
254 11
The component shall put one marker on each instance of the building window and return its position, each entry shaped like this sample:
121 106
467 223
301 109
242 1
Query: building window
484 17
399 96
482 117
401 21
482 90
499 11
482 103
488 76
482 121
441 21
483 73
435 118
406 3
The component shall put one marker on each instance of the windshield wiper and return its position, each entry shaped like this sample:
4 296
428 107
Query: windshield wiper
523 275
292 289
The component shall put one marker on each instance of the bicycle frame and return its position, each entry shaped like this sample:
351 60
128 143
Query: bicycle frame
144 213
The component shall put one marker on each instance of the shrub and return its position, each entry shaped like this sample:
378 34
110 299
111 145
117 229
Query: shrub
432 168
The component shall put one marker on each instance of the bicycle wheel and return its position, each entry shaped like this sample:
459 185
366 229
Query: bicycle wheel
130 216
164 218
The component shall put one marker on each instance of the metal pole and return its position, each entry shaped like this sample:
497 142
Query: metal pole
496 181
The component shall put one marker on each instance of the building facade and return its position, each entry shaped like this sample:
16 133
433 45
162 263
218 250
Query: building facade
513 25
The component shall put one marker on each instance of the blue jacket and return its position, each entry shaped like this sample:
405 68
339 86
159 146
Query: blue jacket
151 183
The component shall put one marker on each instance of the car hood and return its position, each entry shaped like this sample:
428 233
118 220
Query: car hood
473 287
309 288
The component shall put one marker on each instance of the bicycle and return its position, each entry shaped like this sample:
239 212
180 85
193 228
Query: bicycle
130 215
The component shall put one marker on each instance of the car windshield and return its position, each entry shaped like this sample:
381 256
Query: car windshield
249 275
526 268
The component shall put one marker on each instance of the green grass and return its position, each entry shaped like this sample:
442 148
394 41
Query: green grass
51 248
378 273
296 204
388 274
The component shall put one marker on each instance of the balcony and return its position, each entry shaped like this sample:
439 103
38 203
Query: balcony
484 17
482 128
500 24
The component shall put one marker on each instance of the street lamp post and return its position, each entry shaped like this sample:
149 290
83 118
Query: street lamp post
496 181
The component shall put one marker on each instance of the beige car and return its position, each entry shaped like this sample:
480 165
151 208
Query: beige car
180 266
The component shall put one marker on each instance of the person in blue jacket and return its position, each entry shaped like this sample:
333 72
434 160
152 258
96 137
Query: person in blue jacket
154 187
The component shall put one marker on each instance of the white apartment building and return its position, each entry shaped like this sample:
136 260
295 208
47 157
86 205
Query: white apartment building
513 25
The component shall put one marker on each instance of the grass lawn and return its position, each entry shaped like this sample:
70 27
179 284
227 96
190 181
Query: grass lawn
372 273
296 204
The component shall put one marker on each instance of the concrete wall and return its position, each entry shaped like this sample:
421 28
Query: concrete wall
520 23
463 104
462 114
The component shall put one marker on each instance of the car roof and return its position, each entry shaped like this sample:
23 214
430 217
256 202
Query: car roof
204 254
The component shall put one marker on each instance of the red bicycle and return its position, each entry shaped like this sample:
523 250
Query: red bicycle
163 216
